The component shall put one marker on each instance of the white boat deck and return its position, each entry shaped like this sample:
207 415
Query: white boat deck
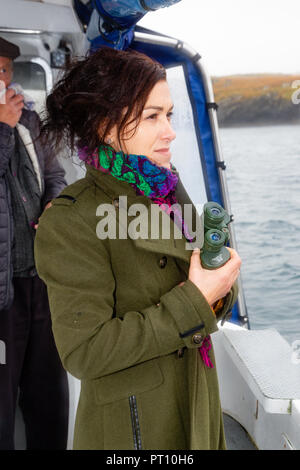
259 382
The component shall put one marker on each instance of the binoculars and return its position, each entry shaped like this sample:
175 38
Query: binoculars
214 254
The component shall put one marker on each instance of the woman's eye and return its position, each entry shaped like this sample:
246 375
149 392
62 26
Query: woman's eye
170 114
152 116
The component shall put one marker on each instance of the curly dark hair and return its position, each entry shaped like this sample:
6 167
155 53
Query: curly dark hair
107 88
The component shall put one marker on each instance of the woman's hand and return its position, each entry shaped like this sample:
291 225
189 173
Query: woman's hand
216 283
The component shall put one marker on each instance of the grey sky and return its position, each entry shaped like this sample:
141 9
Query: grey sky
236 36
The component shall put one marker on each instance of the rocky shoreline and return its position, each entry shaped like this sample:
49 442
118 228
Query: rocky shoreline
249 101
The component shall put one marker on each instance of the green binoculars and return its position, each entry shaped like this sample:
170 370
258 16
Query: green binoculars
214 253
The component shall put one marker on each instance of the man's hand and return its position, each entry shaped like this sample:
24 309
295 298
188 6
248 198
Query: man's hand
46 207
11 111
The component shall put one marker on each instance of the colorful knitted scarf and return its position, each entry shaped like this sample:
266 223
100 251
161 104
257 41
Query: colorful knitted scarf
148 179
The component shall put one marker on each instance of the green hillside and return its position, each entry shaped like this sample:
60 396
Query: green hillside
256 99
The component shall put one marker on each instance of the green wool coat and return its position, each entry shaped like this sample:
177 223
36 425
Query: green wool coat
125 327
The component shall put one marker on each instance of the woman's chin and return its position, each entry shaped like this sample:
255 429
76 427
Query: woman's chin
161 160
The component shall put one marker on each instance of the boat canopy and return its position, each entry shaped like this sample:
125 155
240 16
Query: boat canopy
112 22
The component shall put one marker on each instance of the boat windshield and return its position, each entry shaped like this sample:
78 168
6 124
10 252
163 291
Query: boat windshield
32 77
185 150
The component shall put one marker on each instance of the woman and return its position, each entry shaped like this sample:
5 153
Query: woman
131 316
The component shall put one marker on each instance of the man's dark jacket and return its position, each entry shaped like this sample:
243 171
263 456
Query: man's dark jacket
52 176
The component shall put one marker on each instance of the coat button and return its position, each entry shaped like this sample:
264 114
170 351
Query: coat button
163 262
197 339
116 202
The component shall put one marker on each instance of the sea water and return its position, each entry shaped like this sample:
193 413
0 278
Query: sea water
263 175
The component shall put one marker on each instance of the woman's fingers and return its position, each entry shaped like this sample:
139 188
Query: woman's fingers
195 258
234 255
234 263
195 263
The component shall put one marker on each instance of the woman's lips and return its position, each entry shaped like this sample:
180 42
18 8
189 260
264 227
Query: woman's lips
166 152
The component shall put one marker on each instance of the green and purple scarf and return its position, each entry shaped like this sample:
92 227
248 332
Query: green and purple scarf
148 179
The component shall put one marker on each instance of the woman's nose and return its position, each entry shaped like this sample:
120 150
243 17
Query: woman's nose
168 131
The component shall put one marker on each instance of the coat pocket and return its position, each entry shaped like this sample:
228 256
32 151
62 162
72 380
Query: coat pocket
128 382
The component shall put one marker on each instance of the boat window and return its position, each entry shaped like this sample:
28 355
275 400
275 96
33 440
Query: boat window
32 78
36 78
185 151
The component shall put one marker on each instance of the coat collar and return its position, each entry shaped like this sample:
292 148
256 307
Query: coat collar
176 247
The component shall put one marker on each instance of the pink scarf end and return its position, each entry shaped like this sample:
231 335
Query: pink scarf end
206 346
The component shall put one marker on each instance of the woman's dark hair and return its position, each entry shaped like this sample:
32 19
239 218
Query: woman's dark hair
105 89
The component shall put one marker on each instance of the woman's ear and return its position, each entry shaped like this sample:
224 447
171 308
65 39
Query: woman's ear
112 139
107 137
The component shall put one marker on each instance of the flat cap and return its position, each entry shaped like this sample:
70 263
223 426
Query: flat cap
8 49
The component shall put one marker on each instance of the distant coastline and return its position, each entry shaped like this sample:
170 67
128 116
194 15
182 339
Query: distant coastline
260 99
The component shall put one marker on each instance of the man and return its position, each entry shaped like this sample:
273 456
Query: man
29 179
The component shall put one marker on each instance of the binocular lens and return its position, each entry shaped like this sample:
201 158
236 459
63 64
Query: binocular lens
215 211
215 237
